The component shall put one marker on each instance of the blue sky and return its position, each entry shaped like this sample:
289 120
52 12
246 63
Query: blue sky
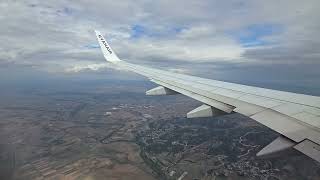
253 35
138 31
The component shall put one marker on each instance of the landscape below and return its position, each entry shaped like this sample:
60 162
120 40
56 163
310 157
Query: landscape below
111 130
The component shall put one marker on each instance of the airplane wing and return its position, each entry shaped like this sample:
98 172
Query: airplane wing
295 116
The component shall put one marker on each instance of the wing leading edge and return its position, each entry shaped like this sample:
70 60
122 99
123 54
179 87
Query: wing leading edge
295 116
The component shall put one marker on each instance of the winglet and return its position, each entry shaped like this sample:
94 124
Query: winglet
108 53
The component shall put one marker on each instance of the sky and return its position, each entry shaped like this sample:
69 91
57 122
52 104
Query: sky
274 43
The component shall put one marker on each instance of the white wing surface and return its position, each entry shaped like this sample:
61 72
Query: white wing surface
295 116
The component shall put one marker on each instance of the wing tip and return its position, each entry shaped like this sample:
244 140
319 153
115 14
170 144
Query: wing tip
106 49
97 32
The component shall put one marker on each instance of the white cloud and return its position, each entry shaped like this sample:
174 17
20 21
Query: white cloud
79 68
55 33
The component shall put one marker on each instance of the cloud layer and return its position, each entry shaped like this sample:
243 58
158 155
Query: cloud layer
58 35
